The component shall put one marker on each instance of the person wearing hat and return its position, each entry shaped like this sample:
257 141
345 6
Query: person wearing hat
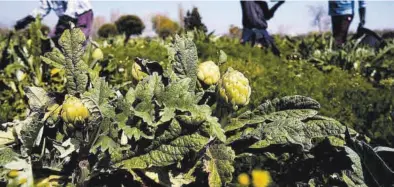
78 12
342 13
254 20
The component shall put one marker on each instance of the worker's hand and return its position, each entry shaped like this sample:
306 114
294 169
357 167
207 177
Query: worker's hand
22 23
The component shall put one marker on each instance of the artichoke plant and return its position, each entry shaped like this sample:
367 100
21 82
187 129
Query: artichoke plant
163 132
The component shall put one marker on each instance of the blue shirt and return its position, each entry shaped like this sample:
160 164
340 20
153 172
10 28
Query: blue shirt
343 7
71 8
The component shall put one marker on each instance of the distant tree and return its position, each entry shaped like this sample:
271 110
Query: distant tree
321 19
107 30
129 25
164 26
193 21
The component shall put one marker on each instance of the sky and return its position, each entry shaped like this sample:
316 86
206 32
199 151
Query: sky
293 17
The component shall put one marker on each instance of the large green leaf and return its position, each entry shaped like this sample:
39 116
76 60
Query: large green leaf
28 130
219 164
54 58
375 167
293 131
71 42
183 56
357 176
100 95
105 143
37 98
166 154
143 98
288 102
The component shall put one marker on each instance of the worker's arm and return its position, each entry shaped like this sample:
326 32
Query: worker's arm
361 11
269 13
42 11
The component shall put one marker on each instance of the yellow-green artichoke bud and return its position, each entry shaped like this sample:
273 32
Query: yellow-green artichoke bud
28 43
137 72
208 72
74 111
317 53
97 54
234 88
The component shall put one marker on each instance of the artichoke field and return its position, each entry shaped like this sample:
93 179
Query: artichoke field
183 124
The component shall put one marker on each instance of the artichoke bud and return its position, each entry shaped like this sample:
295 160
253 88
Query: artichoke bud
55 71
137 72
97 54
52 180
29 43
208 72
123 139
13 173
74 111
234 88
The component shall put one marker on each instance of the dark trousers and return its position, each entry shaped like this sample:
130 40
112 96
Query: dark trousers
259 36
340 27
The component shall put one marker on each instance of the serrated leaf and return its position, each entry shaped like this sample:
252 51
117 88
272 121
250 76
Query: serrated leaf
37 98
105 143
215 129
7 155
100 94
76 70
144 93
219 165
177 96
54 58
166 154
184 59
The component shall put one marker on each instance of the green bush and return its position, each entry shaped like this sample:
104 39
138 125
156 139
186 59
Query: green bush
107 30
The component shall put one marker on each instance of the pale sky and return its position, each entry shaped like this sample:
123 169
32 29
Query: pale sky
293 17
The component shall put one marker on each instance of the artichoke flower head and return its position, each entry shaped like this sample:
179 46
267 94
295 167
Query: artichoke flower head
74 111
97 54
234 88
208 72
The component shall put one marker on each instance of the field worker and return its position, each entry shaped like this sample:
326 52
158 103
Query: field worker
77 11
342 12
254 20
